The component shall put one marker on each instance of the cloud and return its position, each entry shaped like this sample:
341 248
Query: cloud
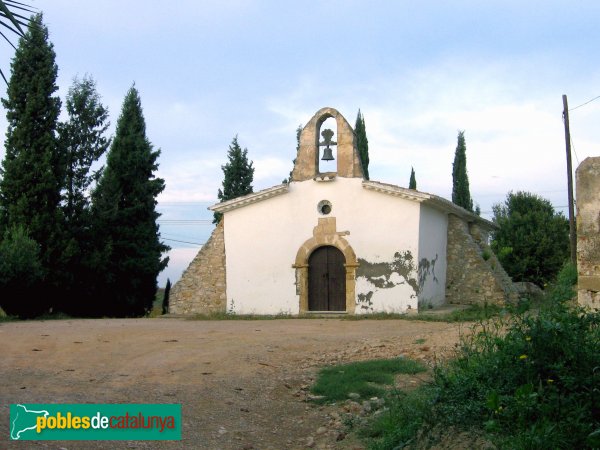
190 179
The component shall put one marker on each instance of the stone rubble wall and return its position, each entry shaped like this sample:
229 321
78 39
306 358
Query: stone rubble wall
202 287
473 274
588 232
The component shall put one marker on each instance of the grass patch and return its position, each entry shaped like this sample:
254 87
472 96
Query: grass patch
473 313
378 316
366 378
8 319
53 316
229 316
399 425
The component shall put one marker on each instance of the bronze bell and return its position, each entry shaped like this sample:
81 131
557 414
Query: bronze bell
327 154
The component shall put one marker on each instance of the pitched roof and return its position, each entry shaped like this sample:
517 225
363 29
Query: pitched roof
435 201
432 200
249 198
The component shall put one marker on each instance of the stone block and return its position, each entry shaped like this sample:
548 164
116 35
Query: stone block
588 232
469 278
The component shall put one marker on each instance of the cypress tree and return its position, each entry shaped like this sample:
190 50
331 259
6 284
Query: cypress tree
129 251
460 180
298 133
362 143
238 175
412 184
31 170
82 141
166 295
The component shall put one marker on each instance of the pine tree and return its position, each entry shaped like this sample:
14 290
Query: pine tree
129 251
83 142
362 143
412 184
460 180
31 171
238 175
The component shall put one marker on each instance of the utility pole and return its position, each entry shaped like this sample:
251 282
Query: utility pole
572 232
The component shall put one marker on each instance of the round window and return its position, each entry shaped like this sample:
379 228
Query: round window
324 207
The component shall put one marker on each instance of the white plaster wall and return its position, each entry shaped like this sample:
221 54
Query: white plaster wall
262 239
433 236
389 225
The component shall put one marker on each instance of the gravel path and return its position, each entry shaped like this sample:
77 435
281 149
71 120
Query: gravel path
241 384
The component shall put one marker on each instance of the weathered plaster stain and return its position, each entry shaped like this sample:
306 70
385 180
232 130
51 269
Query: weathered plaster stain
364 300
386 275
426 268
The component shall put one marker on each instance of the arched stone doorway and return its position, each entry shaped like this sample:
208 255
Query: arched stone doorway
325 234
326 280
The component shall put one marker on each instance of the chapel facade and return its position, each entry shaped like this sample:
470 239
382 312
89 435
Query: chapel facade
331 242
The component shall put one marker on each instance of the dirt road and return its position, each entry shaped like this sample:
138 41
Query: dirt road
241 384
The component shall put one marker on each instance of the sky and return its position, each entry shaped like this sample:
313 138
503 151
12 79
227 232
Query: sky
420 72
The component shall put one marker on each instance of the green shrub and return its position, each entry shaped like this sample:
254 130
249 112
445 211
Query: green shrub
529 381
532 241
567 276
533 385
20 275
400 423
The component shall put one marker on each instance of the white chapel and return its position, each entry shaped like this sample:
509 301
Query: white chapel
332 242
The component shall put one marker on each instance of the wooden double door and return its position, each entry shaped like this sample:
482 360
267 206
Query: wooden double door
326 280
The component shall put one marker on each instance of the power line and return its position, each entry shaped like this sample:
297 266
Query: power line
183 242
583 104
187 203
178 236
185 221
574 151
